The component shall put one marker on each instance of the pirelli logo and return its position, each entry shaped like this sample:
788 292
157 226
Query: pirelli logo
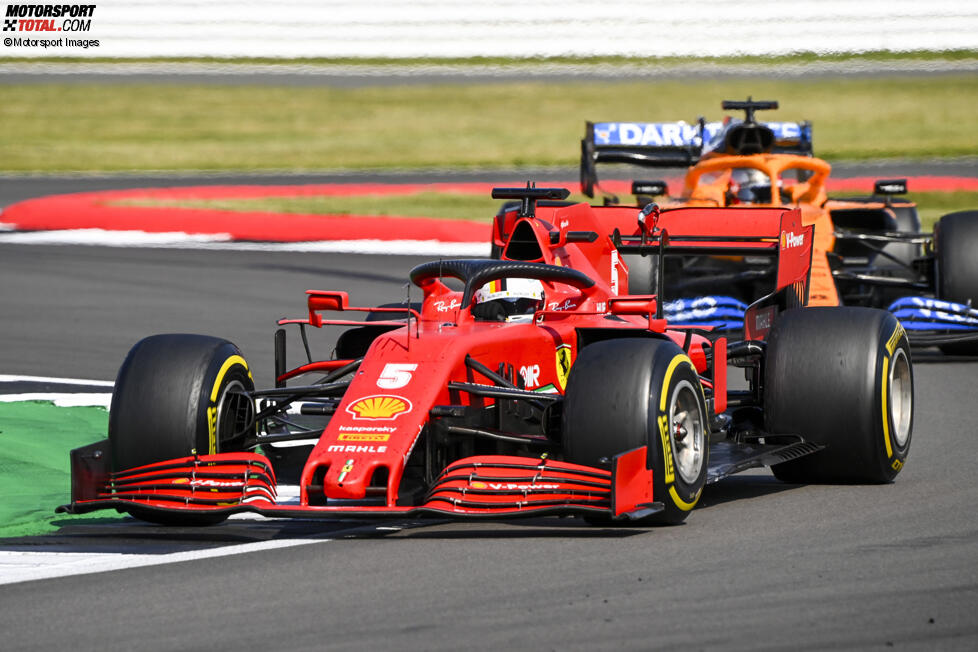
891 344
363 436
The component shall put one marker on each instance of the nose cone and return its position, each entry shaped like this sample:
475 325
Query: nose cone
348 480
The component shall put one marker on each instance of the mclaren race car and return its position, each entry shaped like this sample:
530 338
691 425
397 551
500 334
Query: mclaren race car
868 251
525 385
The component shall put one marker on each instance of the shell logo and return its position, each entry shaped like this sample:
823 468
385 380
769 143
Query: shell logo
381 407
790 239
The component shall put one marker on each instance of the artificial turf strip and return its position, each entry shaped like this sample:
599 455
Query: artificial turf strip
35 440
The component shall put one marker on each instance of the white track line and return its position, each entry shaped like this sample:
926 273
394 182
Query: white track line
21 566
81 399
60 399
9 378
99 237
29 565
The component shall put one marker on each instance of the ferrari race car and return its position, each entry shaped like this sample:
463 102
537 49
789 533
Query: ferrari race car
868 251
520 386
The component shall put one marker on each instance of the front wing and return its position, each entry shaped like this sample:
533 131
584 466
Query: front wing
931 322
492 486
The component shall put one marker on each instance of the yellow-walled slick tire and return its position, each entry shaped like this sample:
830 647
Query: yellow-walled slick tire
841 378
176 395
631 392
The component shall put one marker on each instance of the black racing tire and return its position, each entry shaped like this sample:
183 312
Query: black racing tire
642 273
171 399
956 247
840 377
621 395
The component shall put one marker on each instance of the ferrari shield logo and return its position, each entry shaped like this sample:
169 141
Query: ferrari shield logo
563 365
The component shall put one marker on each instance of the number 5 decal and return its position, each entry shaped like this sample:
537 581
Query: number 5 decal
395 375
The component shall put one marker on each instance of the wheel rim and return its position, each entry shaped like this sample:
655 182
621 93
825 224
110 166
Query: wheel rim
686 432
901 397
234 411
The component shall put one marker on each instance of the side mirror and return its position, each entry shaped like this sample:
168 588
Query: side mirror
648 218
890 187
651 188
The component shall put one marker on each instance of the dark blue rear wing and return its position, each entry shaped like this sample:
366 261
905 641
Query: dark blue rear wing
678 144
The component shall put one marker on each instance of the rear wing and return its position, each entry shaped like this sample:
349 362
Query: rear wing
673 144
776 233
646 144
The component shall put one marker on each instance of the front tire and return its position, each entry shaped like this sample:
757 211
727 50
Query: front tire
627 393
841 378
176 395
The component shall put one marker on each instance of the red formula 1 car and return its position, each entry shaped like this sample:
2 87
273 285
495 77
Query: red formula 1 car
520 386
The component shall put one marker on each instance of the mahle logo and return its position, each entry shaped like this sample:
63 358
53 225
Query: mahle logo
381 407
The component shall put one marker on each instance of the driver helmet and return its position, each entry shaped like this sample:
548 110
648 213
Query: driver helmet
748 185
508 299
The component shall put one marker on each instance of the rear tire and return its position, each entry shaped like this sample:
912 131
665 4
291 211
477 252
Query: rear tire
841 378
956 244
171 400
623 394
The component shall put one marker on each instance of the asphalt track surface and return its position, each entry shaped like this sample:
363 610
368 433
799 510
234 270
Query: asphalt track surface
758 565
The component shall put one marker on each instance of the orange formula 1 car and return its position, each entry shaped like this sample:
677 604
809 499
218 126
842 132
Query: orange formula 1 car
868 251
526 385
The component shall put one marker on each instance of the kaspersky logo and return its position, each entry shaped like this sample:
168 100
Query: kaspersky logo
789 239
381 407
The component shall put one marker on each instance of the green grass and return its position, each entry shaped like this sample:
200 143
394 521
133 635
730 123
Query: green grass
447 205
35 440
439 205
81 127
